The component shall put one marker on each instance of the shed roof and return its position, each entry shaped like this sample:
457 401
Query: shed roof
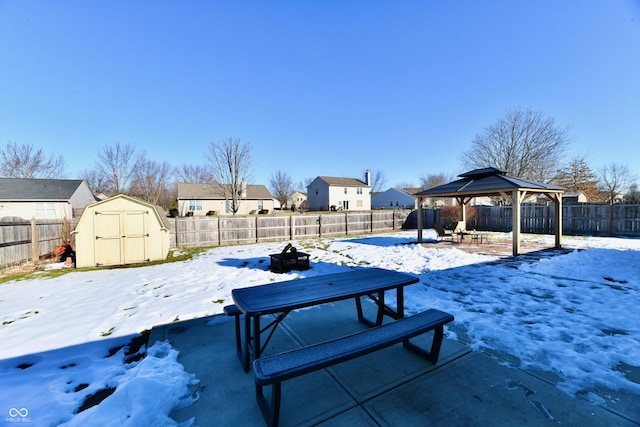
487 182
32 189
157 210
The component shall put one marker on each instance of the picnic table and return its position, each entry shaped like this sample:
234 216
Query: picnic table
280 298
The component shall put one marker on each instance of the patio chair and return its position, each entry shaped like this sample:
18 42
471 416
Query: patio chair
460 230
442 233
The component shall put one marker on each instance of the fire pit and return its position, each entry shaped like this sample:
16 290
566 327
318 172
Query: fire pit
289 259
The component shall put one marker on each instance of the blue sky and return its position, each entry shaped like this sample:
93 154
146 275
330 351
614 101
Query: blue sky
317 88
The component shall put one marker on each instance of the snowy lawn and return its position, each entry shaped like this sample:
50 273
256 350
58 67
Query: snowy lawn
66 338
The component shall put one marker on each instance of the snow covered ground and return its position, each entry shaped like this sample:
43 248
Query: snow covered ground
64 339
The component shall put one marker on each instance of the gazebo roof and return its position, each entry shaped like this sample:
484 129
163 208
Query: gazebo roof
487 182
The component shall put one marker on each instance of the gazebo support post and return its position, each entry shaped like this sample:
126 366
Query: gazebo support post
557 226
515 214
420 221
463 212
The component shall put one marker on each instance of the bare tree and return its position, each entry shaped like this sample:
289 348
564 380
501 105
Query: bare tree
230 160
281 187
525 143
304 184
25 161
116 167
615 179
151 180
378 180
578 176
193 174
94 180
404 184
433 180
633 196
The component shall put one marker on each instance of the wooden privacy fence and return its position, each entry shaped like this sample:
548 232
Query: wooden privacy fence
577 219
217 231
23 240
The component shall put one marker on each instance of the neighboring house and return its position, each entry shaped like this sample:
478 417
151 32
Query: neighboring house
43 198
574 197
207 199
297 199
396 198
329 193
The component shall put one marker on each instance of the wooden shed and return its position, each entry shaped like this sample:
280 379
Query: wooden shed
121 230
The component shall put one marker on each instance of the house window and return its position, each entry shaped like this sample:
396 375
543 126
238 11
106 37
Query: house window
359 190
345 190
359 203
45 210
316 191
228 206
195 205
391 203
260 204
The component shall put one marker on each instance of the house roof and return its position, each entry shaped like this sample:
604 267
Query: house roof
31 189
343 182
486 182
190 191
411 191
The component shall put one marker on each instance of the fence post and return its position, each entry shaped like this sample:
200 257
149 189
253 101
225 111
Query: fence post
35 246
257 230
372 221
346 224
175 228
291 227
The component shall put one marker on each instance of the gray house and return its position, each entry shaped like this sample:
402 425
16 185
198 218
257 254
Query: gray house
396 198
43 198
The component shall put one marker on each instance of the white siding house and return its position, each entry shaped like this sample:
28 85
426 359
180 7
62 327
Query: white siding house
396 198
203 199
329 193
43 198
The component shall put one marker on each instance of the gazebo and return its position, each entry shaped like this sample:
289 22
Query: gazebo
494 182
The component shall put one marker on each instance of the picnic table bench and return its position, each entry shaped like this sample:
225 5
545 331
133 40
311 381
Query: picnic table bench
274 369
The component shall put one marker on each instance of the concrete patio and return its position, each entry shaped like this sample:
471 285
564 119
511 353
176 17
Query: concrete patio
392 387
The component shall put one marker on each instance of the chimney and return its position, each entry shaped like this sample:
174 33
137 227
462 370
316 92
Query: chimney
367 178
244 189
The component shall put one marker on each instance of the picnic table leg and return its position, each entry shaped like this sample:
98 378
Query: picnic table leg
383 309
433 354
246 357
363 319
255 351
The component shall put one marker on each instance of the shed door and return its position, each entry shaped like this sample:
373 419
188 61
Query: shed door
121 237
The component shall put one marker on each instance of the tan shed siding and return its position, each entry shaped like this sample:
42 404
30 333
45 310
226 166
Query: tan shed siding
120 230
